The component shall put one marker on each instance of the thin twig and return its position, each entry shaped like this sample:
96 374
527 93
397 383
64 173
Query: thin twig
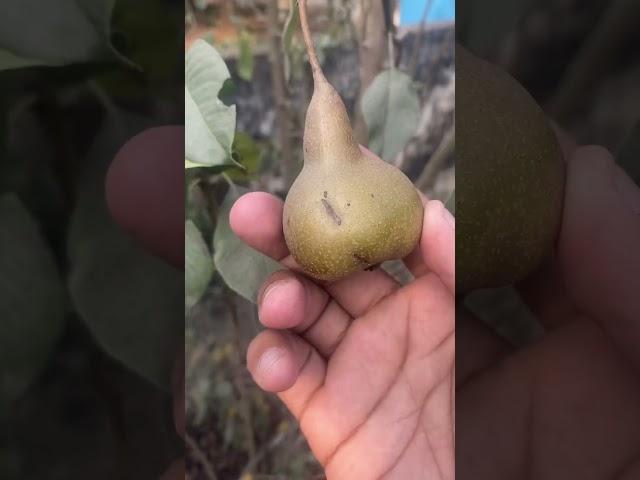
428 176
276 441
415 56
245 406
201 457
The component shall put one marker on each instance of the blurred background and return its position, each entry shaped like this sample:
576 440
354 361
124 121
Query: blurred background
235 431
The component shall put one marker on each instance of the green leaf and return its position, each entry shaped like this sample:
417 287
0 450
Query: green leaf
248 153
56 33
209 123
245 59
132 302
242 268
33 301
391 109
628 157
291 25
198 265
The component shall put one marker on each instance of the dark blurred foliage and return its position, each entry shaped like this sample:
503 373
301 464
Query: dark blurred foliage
76 401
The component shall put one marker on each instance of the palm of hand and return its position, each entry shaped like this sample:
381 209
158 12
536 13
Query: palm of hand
387 394
540 412
364 365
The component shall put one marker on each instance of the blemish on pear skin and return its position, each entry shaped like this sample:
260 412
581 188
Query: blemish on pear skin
325 194
360 258
331 212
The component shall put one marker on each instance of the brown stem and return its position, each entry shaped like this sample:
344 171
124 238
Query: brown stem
209 472
245 406
308 41
427 178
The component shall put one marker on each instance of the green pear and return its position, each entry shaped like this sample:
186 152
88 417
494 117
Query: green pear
509 178
346 211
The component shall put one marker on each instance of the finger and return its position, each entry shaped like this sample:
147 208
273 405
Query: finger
546 296
414 261
437 246
145 191
292 301
598 245
477 346
257 219
284 363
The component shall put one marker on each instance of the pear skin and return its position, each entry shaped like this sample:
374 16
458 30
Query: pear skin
509 178
346 211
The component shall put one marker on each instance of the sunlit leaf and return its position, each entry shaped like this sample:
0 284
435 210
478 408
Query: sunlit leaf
391 109
209 123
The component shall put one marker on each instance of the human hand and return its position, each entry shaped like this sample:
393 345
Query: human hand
365 365
567 406
145 192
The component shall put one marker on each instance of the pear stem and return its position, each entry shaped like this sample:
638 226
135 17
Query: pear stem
316 69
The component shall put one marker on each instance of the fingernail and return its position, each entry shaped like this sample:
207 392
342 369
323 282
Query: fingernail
448 218
269 291
269 360
627 189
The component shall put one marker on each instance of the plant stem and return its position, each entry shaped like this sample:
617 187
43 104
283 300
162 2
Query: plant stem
201 457
428 176
308 41
245 406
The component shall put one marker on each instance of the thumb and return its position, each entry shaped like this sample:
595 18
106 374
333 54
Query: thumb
599 246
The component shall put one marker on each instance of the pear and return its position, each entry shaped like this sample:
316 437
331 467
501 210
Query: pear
347 210
509 178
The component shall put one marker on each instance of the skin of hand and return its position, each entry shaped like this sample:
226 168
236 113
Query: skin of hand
366 366
567 406
145 192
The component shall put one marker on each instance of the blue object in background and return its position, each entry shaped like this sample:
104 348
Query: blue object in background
411 11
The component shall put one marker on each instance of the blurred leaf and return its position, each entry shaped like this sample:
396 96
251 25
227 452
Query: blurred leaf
56 33
209 123
197 209
246 60
291 25
131 301
249 154
391 109
33 301
628 157
483 26
198 265
242 268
